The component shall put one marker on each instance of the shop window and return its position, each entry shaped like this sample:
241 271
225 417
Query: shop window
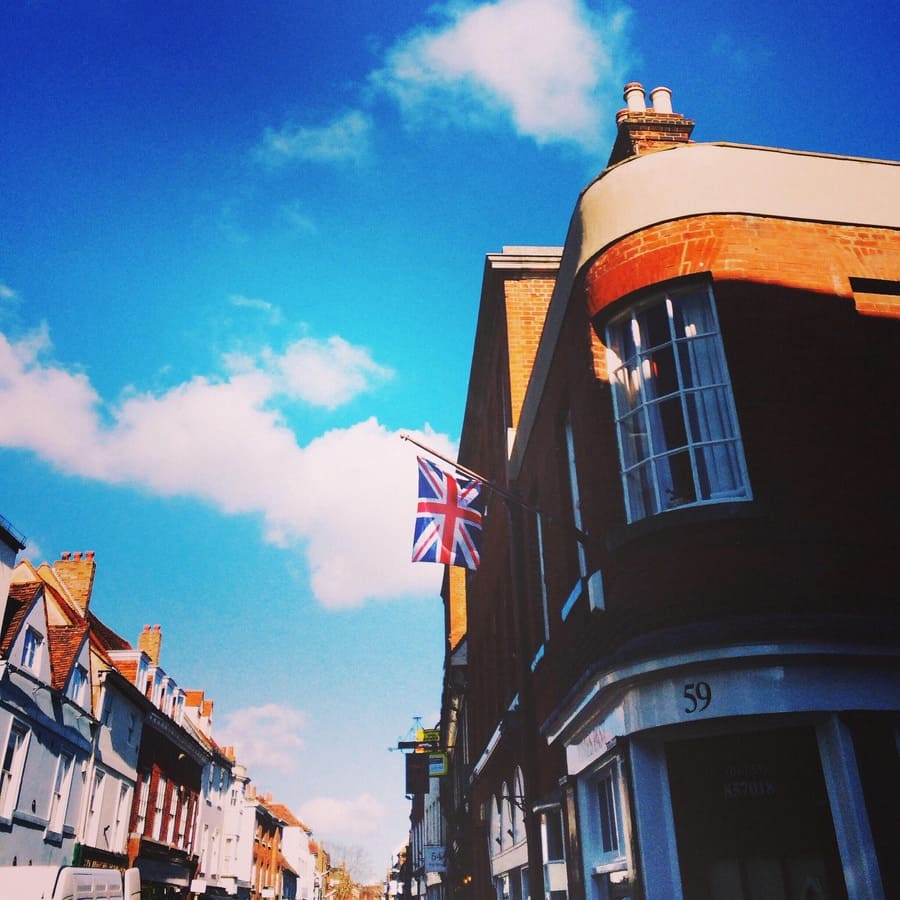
606 847
679 443
752 817
553 852
512 885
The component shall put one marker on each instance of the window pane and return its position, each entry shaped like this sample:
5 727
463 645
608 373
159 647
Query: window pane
719 471
635 443
675 420
641 495
676 480
692 313
667 425
701 361
709 415
658 374
553 825
653 323
609 833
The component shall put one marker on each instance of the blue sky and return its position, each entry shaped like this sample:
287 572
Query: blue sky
241 249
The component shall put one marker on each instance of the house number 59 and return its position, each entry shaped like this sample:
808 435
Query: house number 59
698 695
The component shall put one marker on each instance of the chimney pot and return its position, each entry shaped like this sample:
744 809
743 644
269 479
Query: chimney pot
89 554
634 97
661 98
65 554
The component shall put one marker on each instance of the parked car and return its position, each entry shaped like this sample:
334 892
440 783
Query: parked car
68 883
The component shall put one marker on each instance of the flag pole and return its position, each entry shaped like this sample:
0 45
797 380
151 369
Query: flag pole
581 536
471 473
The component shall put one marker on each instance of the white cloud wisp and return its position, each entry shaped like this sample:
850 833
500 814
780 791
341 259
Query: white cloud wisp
266 737
226 442
345 139
543 64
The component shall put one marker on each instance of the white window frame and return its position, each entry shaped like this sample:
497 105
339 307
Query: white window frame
554 866
143 803
181 831
78 679
94 806
123 808
159 805
15 752
690 393
32 649
605 848
173 812
59 796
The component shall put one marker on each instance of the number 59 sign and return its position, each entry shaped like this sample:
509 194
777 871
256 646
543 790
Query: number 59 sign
698 696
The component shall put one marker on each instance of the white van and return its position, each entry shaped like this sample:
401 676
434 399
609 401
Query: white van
68 883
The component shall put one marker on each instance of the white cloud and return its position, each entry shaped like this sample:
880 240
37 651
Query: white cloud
348 820
346 498
544 64
265 737
344 139
326 374
7 293
250 302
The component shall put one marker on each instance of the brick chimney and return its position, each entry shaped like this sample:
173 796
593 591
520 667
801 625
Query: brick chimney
150 641
644 129
76 572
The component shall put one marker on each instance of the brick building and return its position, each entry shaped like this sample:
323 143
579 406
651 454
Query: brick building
681 674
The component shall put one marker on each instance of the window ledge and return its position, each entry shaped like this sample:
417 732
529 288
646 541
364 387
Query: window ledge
616 865
621 535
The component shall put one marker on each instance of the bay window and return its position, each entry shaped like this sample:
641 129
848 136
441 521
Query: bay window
679 443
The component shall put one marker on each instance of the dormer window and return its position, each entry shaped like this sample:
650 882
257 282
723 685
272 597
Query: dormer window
141 680
31 651
77 685
679 443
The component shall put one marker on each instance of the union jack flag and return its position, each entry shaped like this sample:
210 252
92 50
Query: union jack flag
448 518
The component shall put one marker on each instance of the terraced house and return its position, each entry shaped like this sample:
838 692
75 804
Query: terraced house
675 672
107 761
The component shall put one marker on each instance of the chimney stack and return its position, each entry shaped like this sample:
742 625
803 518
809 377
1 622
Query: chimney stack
76 572
645 129
150 641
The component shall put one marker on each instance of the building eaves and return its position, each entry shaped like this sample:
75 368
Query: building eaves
106 636
10 535
513 262
22 596
704 179
286 816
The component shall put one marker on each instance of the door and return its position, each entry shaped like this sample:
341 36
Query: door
752 818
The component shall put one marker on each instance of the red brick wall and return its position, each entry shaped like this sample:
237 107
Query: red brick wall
527 300
815 389
810 256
